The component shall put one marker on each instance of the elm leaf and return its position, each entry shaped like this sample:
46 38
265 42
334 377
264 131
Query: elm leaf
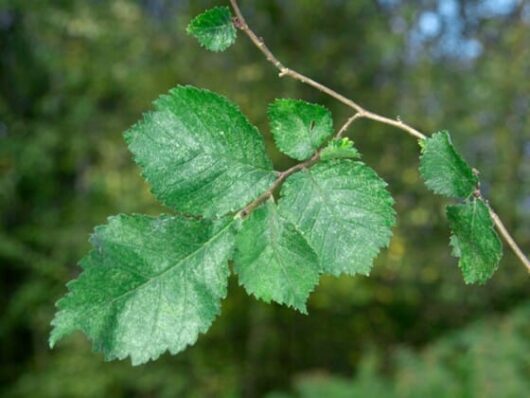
342 148
445 172
299 128
214 29
343 210
200 153
149 285
273 260
474 240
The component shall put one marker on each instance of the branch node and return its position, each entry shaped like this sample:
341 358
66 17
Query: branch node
237 23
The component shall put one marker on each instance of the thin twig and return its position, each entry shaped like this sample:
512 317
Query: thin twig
348 123
509 240
300 166
361 112
241 23
279 180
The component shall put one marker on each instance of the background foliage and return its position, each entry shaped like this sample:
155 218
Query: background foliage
75 74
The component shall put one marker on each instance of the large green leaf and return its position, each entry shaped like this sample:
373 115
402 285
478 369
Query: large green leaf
444 170
149 285
474 240
299 127
273 260
200 153
214 29
343 210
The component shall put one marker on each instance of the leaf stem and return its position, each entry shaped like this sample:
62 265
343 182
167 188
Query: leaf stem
241 23
300 166
281 178
348 123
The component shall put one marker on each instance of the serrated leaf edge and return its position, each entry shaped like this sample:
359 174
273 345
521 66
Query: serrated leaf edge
423 146
391 203
52 342
128 136
189 29
454 243
270 111
303 309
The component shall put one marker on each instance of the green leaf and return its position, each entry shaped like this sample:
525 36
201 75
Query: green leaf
474 240
343 210
200 153
150 285
444 170
298 127
340 149
273 260
214 29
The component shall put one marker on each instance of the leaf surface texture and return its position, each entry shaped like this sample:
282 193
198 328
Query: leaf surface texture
444 171
474 240
200 153
273 260
214 29
299 127
343 210
149 285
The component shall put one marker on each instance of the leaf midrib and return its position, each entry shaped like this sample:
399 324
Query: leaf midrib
165 271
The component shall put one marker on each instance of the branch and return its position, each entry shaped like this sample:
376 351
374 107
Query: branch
348 123
509 239
241 23
300 166
361 112
279 180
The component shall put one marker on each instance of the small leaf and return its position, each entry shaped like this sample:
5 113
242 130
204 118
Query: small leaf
340 149
343 210
200 153
214 29
474 240
150 285
299 128
444 170
273 260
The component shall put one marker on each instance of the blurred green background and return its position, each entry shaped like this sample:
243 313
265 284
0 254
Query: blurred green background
75 74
